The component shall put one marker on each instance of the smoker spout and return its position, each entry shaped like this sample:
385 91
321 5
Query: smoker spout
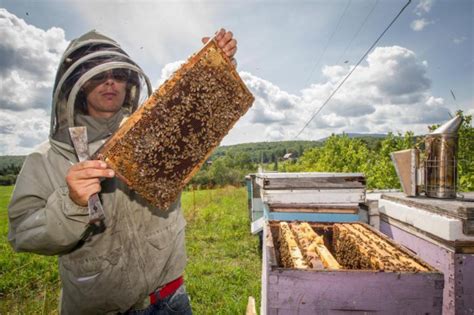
450 127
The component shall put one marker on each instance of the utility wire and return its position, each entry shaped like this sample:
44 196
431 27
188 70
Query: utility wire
327 43
353 69
358 31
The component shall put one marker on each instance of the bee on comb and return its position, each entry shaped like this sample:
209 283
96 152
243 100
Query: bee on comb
166 141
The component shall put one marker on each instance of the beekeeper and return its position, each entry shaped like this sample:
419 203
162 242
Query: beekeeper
133 262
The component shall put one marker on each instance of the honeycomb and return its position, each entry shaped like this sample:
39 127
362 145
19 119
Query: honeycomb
315 252
290 252
165 142
356 247
353 246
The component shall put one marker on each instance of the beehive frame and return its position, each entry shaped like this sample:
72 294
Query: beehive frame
166 141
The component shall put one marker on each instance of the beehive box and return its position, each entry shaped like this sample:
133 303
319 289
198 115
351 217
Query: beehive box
313 188
441 232
365 282
307 196
165 142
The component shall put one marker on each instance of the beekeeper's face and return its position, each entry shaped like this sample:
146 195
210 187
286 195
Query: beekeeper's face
105 93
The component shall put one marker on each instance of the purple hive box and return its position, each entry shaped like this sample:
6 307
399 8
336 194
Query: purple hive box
441 232
295 291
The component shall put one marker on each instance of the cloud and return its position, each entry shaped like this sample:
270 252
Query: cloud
154 31
459 40
168 70
22 131
272 105
420 24
29 59
423 7
391 92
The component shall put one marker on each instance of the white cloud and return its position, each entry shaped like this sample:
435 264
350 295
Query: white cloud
28 64
168 70
155 31
390 93
459 40
420 24
423 7
21 131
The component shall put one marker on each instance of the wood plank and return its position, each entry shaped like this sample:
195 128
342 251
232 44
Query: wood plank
290 253
310 180
319 196
314 292
318 209
455 246
251 310
456 208
311 243
449 228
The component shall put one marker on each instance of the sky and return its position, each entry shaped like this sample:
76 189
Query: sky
291 55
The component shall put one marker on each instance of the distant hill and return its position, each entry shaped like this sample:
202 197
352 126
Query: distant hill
258 152
360 135
266 152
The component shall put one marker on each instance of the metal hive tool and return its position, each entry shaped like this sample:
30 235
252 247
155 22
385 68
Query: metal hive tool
165 142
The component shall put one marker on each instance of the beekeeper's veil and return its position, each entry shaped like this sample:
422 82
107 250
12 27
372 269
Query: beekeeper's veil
86 58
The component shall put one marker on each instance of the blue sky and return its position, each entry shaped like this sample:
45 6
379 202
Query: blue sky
291 54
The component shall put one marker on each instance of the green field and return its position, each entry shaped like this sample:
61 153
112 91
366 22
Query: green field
223 260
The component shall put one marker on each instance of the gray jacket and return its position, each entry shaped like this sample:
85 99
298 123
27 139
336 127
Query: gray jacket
140 249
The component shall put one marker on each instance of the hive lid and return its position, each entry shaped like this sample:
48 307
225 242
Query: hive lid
310 180
165 142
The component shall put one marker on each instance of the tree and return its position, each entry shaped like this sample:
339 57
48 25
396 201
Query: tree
338 154
379 169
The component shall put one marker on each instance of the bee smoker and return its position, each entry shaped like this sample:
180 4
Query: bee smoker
436 173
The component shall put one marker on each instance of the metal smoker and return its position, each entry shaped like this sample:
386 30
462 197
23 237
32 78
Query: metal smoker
436 173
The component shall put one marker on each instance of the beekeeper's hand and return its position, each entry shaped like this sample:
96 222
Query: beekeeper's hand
83 180
226 41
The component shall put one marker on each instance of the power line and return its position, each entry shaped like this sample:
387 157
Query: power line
327 43
353 69
358 31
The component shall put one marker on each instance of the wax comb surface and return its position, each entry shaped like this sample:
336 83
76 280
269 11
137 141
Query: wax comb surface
165 142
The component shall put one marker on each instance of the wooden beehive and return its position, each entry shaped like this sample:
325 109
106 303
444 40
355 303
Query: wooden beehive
165 142
394 288
441 232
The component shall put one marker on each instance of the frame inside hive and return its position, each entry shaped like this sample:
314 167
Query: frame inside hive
356 246
166 141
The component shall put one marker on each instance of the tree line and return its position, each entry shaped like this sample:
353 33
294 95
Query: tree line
338 153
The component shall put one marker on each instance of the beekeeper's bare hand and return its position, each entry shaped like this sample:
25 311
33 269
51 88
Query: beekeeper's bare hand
83 180
226 41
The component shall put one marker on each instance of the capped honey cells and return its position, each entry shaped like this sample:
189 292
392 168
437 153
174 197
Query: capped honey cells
165 142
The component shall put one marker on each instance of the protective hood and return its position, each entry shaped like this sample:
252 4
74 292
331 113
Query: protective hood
89 57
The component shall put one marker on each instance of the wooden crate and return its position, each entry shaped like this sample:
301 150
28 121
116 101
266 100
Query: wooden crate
166 141
295 291
331 189
441 233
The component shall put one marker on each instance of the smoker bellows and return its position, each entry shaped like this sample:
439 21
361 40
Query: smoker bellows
162 145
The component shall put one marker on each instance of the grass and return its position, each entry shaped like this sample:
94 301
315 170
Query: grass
223 261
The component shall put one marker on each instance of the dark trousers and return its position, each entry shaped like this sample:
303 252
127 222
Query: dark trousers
176 304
